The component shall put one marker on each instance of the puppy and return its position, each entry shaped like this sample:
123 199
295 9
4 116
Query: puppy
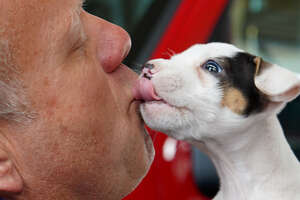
225 101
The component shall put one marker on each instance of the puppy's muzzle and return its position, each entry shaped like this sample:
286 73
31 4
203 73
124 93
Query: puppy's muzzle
144 88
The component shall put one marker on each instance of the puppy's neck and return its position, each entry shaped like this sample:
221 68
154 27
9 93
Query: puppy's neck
252 163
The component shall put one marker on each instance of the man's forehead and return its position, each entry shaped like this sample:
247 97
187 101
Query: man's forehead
30 23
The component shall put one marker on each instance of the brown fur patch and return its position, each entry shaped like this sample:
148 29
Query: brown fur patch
235 100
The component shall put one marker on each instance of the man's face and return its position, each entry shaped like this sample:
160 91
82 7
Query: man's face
87 136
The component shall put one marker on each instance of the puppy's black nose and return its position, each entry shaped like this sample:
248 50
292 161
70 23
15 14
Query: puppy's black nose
149 66
146 73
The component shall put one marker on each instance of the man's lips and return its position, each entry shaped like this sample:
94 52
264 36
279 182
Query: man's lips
144 90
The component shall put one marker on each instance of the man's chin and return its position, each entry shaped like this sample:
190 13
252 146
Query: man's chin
149 157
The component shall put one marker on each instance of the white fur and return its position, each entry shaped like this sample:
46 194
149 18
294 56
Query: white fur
251 154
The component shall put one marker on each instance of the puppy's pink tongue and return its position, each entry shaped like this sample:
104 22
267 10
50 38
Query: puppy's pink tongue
144 90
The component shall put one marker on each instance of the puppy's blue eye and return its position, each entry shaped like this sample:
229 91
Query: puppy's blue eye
213 67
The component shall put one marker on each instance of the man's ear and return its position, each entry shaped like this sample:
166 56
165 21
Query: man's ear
277 83
10 180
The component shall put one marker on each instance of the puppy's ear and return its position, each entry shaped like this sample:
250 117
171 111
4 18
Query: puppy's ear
277 83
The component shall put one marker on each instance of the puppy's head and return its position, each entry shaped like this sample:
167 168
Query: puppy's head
210 89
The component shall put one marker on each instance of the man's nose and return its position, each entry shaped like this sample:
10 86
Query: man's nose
113 45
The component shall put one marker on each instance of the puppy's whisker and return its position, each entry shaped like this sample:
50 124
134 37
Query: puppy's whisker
172 52
167 54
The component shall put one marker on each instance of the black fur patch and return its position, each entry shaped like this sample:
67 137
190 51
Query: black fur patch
239 72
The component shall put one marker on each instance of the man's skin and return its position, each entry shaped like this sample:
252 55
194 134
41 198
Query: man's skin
86 139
